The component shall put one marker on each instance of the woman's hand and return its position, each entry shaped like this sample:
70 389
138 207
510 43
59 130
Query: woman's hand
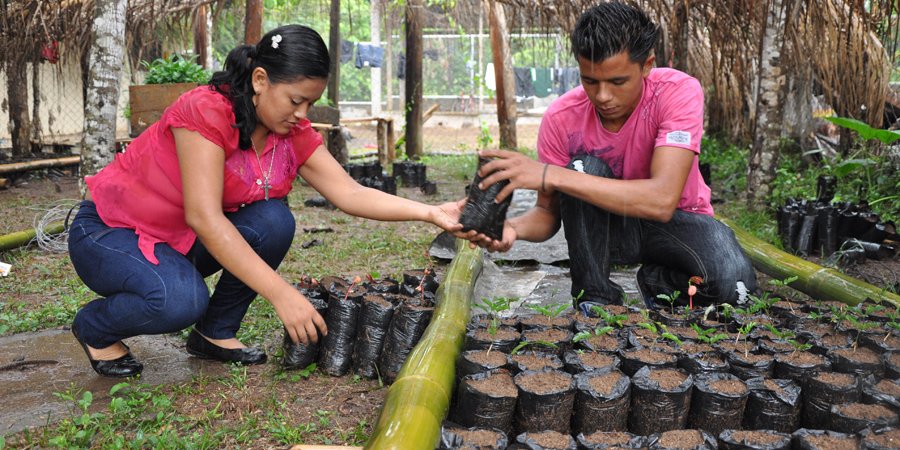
447 215
300 319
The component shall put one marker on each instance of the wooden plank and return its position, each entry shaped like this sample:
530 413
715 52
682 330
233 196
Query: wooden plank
148 101
40 164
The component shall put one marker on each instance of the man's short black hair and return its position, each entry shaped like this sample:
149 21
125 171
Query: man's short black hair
608 28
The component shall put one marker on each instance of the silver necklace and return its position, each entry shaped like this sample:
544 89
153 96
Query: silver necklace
264 182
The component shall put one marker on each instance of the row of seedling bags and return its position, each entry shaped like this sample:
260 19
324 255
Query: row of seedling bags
544 409
372 325
455 437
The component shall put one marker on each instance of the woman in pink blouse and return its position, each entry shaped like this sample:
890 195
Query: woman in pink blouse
201 191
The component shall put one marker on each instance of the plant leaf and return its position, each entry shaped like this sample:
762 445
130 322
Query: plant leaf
864 130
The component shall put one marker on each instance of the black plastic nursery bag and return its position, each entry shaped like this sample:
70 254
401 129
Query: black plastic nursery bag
297 355
372 327
482 213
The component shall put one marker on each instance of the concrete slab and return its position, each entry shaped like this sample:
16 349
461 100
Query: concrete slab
35 365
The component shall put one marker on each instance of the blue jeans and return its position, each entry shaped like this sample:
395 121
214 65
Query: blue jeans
142 298
670 253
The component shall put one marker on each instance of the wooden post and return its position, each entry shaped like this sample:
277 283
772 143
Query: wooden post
253 22
334 48
414 78
506 87
201 35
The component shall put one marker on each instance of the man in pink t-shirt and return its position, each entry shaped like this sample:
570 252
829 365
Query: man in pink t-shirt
618 168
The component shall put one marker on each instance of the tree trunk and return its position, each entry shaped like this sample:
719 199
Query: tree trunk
17 98
334 48
503 73
201 36
253 22
414 79
388 58
769 106
105 61
36 129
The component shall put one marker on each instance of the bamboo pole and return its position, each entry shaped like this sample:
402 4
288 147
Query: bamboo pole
40 164
417 402
22 238
816 281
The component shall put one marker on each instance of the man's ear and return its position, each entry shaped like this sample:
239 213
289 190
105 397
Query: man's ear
648 64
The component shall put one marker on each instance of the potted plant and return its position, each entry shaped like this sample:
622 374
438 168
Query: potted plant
167 78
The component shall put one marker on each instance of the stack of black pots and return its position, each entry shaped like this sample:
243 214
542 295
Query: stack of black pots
412 174
822 227
371 174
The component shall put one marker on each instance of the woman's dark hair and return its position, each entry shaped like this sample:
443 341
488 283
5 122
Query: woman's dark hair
608 28
287 54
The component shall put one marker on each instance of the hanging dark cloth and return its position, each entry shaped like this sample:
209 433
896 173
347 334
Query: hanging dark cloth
566 79
401 66
346 51
524 84
369 55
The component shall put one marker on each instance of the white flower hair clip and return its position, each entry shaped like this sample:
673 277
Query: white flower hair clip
275 40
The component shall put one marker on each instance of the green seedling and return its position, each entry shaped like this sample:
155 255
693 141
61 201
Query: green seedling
494 307
616 320
744 331
550 311
784 335
798 346
518 348
665 334
649 326
815 316
708 335
670 298
599 331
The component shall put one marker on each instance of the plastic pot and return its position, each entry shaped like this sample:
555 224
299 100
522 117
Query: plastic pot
660 399
545 401
717 403
602 399
773 405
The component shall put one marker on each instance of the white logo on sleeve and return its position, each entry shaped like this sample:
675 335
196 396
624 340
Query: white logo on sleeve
678 137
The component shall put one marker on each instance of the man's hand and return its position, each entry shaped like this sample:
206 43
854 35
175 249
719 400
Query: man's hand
494 245
521 171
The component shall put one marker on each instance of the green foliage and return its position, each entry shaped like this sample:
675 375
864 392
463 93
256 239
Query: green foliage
587 334
551 311
864 130
708 335
531 344
728 163
494 306
670 299
174 69
615 320
484 136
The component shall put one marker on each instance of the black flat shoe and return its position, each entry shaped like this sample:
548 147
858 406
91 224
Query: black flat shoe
198 346
121 367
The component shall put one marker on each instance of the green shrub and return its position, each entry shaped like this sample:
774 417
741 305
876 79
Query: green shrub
174 69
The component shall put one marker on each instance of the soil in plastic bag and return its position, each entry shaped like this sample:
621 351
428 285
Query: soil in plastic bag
717 403
855 417
634 359
487 399
481 212
703 363
413 279
749 365
407 326
602 399
560 338
545 401
804 439
800 365
455 437
504 339
336 351
773 405
374 320
824 390
754 440
546 440
476 361
883 439
577 362
884 392
534 360
299 355
891 365
383 286
861 361
660 399
603 440
682 440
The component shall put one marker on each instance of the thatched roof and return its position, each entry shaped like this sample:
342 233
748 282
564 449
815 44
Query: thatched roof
28 25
